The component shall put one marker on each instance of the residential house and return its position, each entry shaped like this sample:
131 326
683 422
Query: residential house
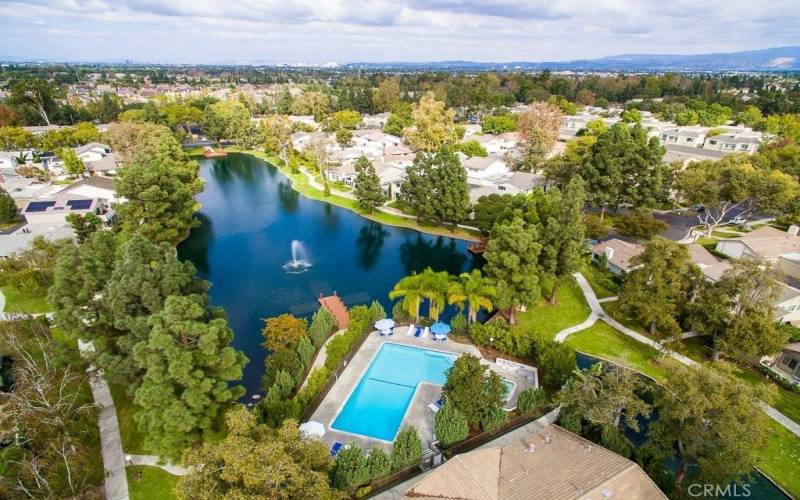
733 143
8 163
787 363
498 145
481 168
550 463
94 151
392 177
616 255
375 140
765 243
374 121
108 164
92 195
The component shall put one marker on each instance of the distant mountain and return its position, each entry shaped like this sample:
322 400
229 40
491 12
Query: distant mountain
774 59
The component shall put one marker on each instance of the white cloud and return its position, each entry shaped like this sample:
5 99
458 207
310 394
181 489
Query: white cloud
386 30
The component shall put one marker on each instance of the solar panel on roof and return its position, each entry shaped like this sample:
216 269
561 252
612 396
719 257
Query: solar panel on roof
79 204
39 206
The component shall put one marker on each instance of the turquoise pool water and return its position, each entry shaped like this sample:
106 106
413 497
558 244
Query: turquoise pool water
378 403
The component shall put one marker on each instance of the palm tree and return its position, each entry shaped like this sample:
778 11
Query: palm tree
435 286
411 290
473 292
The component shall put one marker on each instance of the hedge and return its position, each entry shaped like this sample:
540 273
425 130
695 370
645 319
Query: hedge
361 319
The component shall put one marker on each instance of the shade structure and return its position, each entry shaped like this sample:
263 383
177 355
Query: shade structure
312 428
440 329
384 324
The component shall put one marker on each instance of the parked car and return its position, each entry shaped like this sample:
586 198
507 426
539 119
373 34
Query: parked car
739 220
699 208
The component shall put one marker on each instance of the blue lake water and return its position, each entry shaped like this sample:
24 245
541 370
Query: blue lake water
249 217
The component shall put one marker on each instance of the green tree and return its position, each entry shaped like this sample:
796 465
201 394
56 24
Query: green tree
34 99
32 269
512 262
387 95
631 115
72 163
84 225
305 350
367 187
471 148
8 209
380 464
436 186
657 291
407 449
159 183
283 332
450 425
322 325
472 292
255 461
563 234
350 468
567 165
13 138
530 400
639 224
433 124
230 120
738 311
493 418
277 134
472 388
412 291
538 130
489 210
499 124
344 119
399 120
556 360
435 286
623 167
188 364
713 420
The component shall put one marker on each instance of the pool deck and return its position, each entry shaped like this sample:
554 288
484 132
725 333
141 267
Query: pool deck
418 415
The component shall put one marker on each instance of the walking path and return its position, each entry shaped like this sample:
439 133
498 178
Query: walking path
322 355
599 313
116 482
153 461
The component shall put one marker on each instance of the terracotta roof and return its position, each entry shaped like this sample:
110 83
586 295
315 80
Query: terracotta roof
551 463
623 252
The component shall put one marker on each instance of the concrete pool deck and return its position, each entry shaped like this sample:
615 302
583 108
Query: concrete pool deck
417 415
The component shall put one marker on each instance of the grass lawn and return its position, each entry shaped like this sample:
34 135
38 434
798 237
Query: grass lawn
780 458
570 309
600 280
151 483
612 309
724 234
300 184
132 438
603 341
17 301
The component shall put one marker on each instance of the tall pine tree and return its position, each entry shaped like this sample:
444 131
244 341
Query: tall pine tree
368 186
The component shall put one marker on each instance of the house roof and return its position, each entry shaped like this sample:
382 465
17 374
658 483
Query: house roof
769 243
480 162
525 181
701 256
96 181
693 152
111 161
715 272
91 146
794 347
623 252
550 463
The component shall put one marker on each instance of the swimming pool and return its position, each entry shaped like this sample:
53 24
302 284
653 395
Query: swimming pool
378 404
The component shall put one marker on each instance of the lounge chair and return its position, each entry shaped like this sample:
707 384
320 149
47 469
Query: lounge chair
335 448
425 332
418 332
436 405
410 330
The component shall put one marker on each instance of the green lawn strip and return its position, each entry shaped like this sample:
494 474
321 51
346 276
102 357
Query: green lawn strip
692 347
605 342
724 234
151 483
786 401
16 301
300 183
132 438
570 309
594 275
780 458
612 309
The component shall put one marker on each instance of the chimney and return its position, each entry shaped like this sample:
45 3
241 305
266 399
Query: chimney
531 447
609 252
793 230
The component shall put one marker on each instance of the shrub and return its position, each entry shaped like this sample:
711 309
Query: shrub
472 387
350 468
377 311
284 383
471 148
556 361
360 322
398 314
459 324
305 351
407 449
570 421
594 228
451 426
379 464
283 331
639 224
531 400
515 341
322 325
283 359
493 418
274 412
612 439
316 380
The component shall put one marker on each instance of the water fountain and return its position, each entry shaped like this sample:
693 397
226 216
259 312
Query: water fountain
299 262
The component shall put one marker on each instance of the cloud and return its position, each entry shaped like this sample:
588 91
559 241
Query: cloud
386 30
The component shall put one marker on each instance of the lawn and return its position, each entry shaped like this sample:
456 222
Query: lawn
612 309
780 458
300 184
132 438
17 301
603 282
605 342
570 309
151 483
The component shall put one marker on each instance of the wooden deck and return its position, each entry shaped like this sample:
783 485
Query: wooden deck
335 306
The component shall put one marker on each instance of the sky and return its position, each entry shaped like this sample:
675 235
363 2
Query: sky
321 31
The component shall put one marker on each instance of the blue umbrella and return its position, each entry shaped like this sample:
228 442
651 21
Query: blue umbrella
440 329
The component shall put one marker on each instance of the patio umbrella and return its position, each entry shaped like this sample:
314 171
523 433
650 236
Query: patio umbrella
440 329
312 428
384 324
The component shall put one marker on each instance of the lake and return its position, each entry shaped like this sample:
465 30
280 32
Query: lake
248 219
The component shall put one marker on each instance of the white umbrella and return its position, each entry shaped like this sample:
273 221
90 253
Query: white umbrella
312 428
384 324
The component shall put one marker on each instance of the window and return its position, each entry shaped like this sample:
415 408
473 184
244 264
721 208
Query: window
712 142
689 139
744 146
789 362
